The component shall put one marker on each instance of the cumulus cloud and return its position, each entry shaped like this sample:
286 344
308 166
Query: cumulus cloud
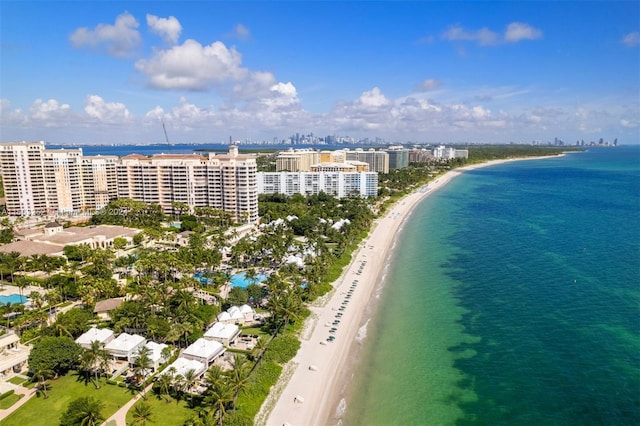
50 113
631 39
514 32
429 84
192 66
119 39
167 28
373 99
517 31
106 112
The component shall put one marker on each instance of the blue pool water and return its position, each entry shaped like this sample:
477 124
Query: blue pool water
200 277
240 280
13 298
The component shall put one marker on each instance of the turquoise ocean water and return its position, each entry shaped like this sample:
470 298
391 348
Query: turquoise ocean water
513 298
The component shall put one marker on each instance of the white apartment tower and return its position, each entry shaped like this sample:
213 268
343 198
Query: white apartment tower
23 178
39 182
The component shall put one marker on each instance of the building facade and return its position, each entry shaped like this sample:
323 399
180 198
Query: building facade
39 182
337 184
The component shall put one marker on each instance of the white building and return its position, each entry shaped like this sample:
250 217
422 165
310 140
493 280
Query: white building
13 355
337 184
223 333
41 181
125 346
102 335
443 153
183 365
156 353
204 351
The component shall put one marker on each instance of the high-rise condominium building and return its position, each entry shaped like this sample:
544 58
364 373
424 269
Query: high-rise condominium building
43 182
378 160
335 183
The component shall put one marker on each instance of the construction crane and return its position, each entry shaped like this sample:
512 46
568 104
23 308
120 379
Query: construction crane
165 135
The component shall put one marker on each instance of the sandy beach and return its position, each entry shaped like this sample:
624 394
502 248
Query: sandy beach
309 388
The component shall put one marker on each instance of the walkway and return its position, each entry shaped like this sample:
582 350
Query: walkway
120 416
20 390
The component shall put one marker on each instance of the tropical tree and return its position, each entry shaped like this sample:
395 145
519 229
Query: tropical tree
164 385
58 354
84 411
237 377
142 365
41 376
219 397
94 359
142 414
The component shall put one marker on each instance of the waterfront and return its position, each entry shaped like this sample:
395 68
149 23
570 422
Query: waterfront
512 299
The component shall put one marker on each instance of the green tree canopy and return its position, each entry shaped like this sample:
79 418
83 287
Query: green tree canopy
58 354
84 411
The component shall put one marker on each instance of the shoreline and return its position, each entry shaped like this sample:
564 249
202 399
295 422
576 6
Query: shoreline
311 385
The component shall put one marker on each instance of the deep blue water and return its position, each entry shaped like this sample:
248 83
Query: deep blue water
513 299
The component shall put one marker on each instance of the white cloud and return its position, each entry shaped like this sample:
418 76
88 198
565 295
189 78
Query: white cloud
484 36
119 40
192 66
373 99
429 84
50 113
631 39
106 112
517 31
167 28
241 32
514 32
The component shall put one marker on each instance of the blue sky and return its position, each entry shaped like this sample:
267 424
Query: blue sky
111 72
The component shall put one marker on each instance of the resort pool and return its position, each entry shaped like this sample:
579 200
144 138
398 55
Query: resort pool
241 280
200 277
13 299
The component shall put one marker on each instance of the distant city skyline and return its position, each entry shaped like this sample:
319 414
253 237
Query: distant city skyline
424 72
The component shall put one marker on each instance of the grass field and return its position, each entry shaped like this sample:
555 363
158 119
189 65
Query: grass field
9 401
41 411
163 413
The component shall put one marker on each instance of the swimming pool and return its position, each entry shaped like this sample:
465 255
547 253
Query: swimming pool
241 280
13 299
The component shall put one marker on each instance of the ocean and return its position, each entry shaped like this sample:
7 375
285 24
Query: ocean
512 298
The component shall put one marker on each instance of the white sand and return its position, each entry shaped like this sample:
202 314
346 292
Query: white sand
310 395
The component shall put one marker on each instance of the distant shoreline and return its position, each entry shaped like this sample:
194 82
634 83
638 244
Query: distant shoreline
309 389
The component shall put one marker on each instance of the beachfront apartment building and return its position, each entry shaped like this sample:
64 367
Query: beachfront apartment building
378 160
335 183
41 181
443 153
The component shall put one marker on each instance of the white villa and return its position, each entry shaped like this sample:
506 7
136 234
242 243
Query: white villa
237 315
183 365
155 353
102 335
204 351
125 346
223 333
13 355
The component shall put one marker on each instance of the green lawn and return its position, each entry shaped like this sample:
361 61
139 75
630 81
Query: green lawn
16 380
164 414
41 411
9 401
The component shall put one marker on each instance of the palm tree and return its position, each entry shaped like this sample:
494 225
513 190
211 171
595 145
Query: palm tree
41 375
219 398
214 376
164 384
142 365
84 411
238 376
189 380
94 358
142 414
